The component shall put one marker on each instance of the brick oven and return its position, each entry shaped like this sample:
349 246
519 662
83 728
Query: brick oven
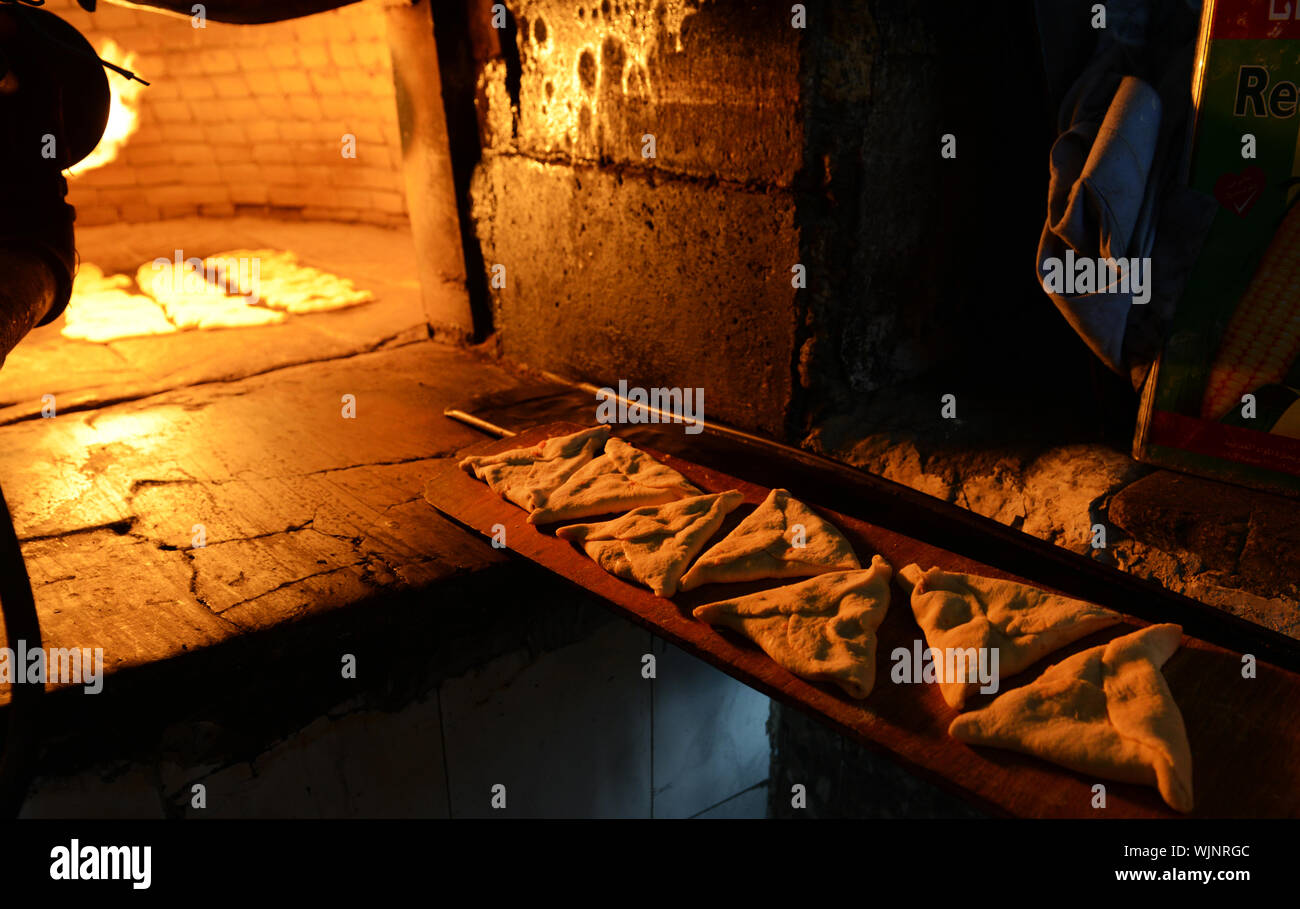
242 121
332 252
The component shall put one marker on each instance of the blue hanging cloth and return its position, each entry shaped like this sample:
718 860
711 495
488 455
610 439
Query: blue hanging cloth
1118 187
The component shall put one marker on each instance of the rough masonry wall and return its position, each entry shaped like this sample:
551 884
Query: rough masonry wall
774 146
249 119
672 270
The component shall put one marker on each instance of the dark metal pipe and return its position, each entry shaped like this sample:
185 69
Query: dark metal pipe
18 609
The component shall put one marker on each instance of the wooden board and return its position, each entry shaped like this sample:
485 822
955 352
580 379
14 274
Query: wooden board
1244 733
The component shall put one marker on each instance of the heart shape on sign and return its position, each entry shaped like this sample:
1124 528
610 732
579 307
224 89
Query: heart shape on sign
1240 192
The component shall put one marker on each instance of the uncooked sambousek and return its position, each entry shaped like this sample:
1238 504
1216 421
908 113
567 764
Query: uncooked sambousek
1105 712
781 538
823 629
521 474
621 479
965 613
654 545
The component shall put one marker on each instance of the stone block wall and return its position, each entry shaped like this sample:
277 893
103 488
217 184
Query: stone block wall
667 270
774 146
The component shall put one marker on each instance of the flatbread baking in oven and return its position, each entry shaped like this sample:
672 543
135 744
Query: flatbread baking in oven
964 611
1105 712
822 629
781 538
621 479
521 474
282 282
654 545
191 302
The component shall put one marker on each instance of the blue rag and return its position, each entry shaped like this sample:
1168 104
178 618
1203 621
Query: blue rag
1118 187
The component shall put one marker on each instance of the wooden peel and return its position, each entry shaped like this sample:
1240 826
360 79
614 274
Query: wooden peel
900 508
1244 733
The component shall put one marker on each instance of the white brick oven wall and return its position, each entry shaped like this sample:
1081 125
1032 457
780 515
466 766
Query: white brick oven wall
250 119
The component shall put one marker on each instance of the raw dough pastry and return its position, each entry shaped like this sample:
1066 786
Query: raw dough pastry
962 611
1105 712
822 629
763 546
620 479
654 544
520 474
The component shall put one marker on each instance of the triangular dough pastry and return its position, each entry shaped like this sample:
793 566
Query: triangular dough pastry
766 545
1106 712
822 629
654 544
621 479
959 612
520 474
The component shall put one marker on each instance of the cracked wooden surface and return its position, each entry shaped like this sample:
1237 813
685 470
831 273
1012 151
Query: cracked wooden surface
303 511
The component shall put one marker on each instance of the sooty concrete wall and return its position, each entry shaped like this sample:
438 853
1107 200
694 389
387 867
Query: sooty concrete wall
774 145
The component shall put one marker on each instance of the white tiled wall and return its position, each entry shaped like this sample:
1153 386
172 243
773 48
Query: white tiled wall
573 732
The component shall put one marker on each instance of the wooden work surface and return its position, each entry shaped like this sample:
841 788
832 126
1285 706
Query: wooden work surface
1244 733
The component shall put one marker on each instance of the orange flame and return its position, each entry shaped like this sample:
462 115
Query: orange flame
123 115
